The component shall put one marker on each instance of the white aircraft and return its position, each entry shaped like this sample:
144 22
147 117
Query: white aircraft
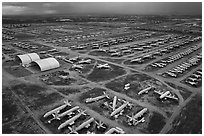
135 117
192 79
97 98
146 90
103 66
119 110
192 83
167 94
127 86
114 102
88 61
102 50
127 51
117 129
80 47
196 76
171 74
137 122
56 110
199 72
68 112
86 124
136 60
111 105
100 124
77 66
118 54
66 60
75 58
71 121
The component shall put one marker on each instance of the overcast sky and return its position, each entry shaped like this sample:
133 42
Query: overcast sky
28 8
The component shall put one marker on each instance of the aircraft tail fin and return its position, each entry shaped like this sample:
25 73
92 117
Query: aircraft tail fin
67 103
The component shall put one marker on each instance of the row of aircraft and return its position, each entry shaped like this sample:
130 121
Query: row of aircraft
119 111
99 66
163 94
136 119
87 61
116 111
71 121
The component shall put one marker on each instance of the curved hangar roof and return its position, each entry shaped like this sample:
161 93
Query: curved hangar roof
28 58
47 64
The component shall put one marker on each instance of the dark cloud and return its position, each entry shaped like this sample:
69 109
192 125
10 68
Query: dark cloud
189 8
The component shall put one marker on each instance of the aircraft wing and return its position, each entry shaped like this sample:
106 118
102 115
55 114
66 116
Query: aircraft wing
70 113
88 125
158 92
71 123
171 97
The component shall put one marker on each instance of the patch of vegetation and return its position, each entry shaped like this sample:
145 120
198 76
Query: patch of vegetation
156 123
67 91
190 119
25 125
35 96
10 109
18 71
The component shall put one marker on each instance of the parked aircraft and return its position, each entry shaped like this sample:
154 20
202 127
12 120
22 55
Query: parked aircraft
134 118
77 66
68 112
119 109
71 121
167 94
102 50
100 124
135 122
192 83
114 102
117 54
80 47
136 60
56 110
97 98
85 124
100 66
117 129
192 79
146 90
127 86
75 59
171 74
88 61
196 75
199 72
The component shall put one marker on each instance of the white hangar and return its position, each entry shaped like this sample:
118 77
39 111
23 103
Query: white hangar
28 58
46 64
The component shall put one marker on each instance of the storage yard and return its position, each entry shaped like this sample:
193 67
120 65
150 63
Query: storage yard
102 75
